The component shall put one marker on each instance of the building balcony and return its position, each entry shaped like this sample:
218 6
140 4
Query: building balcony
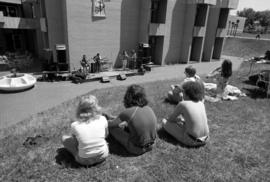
199 31
232 4
221 32
29 1
210 2
156 29
12 1
18 23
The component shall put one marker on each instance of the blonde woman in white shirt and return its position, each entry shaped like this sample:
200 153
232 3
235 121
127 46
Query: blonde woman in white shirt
87 143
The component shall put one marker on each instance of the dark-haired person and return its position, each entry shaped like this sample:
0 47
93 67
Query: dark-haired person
188 123
138 119
175 94
221 75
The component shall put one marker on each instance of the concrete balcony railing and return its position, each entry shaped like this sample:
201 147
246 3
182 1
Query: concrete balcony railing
232 4
210 2
157 29
18 23
29 1
199 31
221 32
12 1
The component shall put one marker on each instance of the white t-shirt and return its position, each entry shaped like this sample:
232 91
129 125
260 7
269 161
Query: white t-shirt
193 79
91 136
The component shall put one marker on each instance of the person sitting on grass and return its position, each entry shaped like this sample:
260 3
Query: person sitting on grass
87 143
188 123
175 94
135 127
221 76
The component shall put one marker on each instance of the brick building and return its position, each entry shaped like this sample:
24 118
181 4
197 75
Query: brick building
178 31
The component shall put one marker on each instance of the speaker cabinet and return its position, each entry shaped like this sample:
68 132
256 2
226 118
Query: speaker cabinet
121 77
105 79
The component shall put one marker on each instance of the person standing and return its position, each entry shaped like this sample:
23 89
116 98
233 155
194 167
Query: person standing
84 63
124 60
97 60
134 59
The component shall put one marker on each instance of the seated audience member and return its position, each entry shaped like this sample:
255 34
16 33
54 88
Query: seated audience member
188 123
175 94
221 76
135 127
87 143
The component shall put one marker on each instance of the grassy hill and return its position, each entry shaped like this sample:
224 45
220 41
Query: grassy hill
245 48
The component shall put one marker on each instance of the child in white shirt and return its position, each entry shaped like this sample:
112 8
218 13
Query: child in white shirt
87 143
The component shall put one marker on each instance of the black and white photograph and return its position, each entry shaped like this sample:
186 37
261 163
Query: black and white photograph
134 90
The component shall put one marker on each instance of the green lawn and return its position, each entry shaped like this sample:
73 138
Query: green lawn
245 48
238 149
253 35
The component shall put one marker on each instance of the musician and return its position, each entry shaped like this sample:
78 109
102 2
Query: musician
97 60
84 63
133 59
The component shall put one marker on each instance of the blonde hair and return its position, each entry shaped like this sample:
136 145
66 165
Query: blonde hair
88 108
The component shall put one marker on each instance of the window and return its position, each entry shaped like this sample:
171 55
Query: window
11 11
4 10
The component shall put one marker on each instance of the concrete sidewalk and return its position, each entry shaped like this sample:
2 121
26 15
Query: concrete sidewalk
15 107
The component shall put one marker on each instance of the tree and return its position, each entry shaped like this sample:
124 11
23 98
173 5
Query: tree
250 14
261 16
264 18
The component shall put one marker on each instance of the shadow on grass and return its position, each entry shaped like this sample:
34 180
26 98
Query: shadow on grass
255 93
66 159
116 148
163 135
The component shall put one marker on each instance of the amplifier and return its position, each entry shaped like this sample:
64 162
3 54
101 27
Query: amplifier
105 79
121 77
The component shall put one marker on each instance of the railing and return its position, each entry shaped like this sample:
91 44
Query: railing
18 23
232 4
210 2
157 29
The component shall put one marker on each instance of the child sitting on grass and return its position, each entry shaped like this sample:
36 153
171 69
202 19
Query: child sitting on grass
175 95
221 76
87 143
188 123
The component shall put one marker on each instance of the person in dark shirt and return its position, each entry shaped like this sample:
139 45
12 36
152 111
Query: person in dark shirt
97 59
135 127
84 63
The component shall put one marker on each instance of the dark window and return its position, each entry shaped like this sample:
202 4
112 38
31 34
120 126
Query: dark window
12 11
4 10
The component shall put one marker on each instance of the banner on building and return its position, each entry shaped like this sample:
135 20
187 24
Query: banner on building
99 8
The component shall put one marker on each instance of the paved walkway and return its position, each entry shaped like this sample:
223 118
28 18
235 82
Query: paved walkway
18 106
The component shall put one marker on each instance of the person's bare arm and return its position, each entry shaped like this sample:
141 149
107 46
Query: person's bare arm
177 111
214 73
115 122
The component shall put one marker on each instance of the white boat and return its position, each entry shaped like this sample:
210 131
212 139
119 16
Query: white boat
19 82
